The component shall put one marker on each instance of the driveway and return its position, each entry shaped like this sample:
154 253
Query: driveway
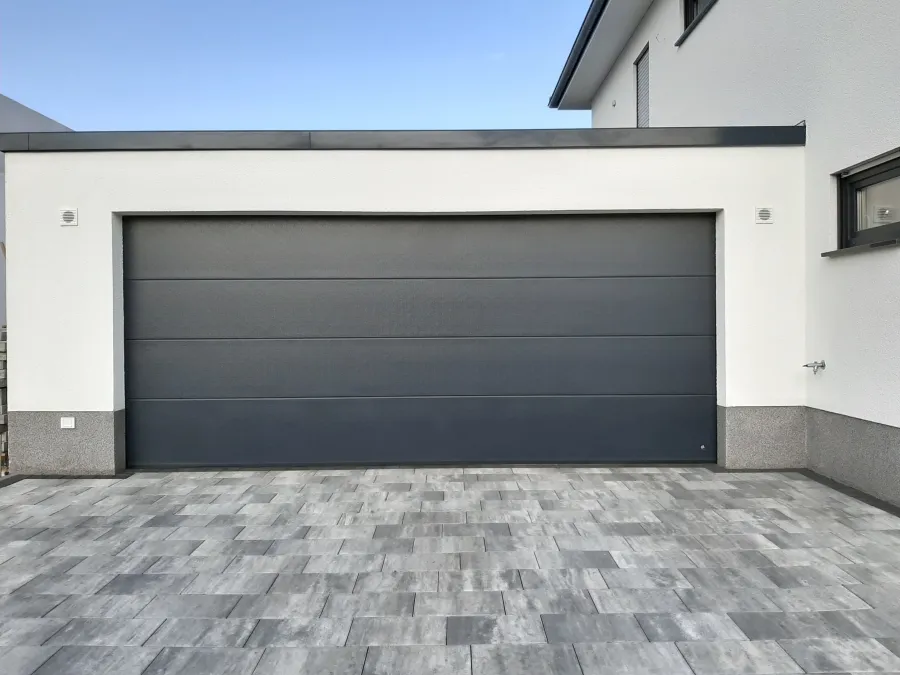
451 571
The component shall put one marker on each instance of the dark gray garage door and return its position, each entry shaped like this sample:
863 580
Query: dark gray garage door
295 341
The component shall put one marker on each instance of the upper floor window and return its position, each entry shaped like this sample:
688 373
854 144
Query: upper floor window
693 9
642 87
870 204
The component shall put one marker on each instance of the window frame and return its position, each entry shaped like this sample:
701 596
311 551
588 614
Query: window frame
692 15
850 236
644 54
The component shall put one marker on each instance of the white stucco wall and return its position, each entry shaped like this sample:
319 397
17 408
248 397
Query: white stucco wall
833 63
66 351
15 117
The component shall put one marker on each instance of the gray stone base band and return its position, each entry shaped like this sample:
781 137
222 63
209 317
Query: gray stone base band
95 447
770 437
864 455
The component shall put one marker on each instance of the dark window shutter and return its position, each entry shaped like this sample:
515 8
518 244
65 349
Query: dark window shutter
643 90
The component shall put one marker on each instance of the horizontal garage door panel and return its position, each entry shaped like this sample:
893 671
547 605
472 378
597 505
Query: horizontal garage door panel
474 247
418 430
415 367
420 307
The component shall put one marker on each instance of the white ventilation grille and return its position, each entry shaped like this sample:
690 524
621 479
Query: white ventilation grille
68 217
885 215
764 216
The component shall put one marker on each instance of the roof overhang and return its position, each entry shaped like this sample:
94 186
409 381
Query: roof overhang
606 29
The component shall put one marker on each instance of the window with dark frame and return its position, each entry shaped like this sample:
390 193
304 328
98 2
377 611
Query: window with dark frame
693 9
869 206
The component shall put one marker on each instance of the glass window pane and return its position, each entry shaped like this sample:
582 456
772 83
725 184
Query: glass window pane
879 204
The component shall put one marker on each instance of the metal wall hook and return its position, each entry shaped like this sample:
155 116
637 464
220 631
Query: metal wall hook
816 366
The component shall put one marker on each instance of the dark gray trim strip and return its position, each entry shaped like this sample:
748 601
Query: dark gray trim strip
695 23
862 248
588 26
658 137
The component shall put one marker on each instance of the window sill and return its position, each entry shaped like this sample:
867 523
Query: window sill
693 24
862 248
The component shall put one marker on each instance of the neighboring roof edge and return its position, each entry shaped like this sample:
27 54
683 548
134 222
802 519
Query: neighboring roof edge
498 139
48 123
591 19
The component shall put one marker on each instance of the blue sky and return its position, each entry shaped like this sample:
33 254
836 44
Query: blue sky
289 64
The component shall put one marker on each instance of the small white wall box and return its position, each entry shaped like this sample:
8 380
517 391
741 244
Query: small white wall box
66 422
68 217
765 215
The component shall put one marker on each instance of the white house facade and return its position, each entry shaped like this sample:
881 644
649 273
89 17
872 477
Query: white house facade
832 66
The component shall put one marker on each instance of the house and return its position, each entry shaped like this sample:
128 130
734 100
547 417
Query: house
319 298
833 66
15 117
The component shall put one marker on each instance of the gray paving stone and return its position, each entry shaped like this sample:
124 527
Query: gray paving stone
563 579
279 606
202 633
172 660
97 661
25 660
575 559
301 632
459 603
727 577
397 582
570 628
725 657
312 661
591 543
101 607
499 560
478 630
407 531
381 545
70 584
815 599
423 545
828 655
520 543
873 575
303 547
418 661
681 627
230 584
637 600
726 558
478 580
876 596
105 632
517 659
188 606
193 564
727 600
548 602
147 584
476 530
369 604
100 564
645 578
28 605
632 658
308 583
676 559
266 564
421 562
805 556
344 564
28 632
368 631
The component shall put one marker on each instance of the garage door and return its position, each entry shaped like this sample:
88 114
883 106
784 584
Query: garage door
358 340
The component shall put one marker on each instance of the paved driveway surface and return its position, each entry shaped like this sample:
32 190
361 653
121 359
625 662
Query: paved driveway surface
557 571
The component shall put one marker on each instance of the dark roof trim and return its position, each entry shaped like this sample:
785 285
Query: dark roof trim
591 19
654 137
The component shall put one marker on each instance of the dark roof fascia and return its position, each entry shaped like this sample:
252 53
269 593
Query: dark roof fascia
585 33
653 137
